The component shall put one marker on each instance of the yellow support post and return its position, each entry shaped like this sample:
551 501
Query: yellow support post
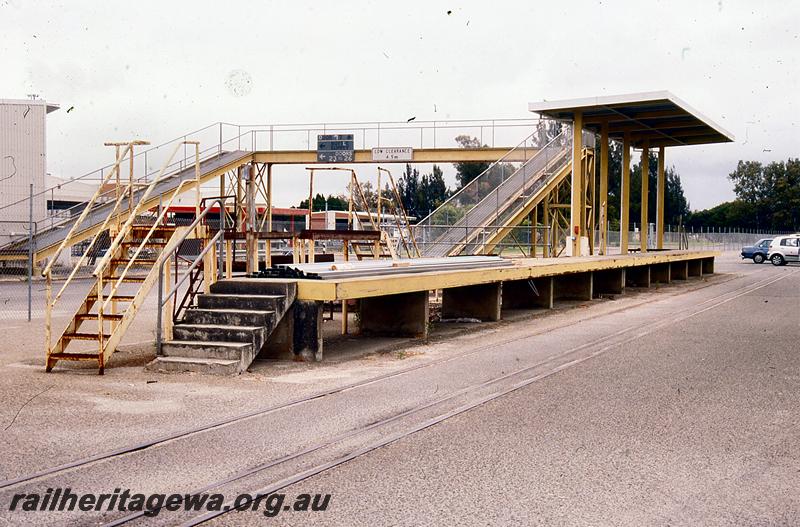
228 259
603 220
577 210
625 191
547 223
645 169
660 200
377 248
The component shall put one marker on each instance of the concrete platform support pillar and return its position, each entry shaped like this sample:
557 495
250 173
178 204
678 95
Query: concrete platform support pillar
638 276
659 273
695 267
679 270
307 329
708 265
610 282
403 315
576 286
528 294
480 301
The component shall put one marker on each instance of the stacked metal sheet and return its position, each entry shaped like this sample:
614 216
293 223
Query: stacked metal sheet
367 268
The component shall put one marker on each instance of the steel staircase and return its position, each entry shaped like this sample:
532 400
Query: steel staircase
518 209
127 271
113 300
484 203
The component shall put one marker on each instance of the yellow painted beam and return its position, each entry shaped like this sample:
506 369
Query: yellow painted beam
424 155
349 288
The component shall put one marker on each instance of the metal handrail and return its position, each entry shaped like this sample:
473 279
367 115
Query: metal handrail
164 256
494 193
100 231
158 222
101 267
159 219
302 127
477 178
85 213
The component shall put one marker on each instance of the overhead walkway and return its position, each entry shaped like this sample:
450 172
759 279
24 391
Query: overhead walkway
226 147
46 242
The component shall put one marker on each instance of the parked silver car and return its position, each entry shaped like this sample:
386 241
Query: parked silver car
784 249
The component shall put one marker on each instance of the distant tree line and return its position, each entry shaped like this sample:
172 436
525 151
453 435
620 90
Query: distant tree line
421 194
320 202
676 206
767 198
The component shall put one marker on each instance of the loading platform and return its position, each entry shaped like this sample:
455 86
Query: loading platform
398 304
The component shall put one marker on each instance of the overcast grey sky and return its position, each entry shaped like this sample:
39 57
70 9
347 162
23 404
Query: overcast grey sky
154 70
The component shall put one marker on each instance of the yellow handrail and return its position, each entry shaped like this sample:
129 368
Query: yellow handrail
91 245
145 240
85 212
101 267
162 213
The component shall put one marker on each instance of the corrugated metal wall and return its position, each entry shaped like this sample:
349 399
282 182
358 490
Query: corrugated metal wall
22 162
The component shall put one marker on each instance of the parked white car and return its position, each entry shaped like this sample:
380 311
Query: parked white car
784 249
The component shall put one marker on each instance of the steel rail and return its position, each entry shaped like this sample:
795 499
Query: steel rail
384 441
332 391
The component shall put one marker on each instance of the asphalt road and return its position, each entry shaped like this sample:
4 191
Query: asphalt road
669 407
697 423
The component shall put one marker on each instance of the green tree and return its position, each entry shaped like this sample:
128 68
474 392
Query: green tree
767 198
675 203
408 187
433 191
317 204
336 203
468 170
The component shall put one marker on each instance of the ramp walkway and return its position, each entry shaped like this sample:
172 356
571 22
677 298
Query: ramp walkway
47 241
485 206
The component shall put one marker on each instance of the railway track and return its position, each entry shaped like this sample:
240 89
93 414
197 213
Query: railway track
395 426
499 386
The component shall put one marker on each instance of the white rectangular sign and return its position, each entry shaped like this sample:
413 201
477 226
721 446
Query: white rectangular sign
397 153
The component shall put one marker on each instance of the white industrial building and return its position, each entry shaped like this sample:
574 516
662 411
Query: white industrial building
23 160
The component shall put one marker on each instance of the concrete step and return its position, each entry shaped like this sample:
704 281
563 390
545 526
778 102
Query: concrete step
216 333
255 286
242 301
230 317
198 349
184 364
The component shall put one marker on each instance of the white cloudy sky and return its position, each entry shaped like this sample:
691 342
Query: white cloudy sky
154 70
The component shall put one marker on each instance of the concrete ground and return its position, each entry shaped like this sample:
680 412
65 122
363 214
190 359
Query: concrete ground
676 406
